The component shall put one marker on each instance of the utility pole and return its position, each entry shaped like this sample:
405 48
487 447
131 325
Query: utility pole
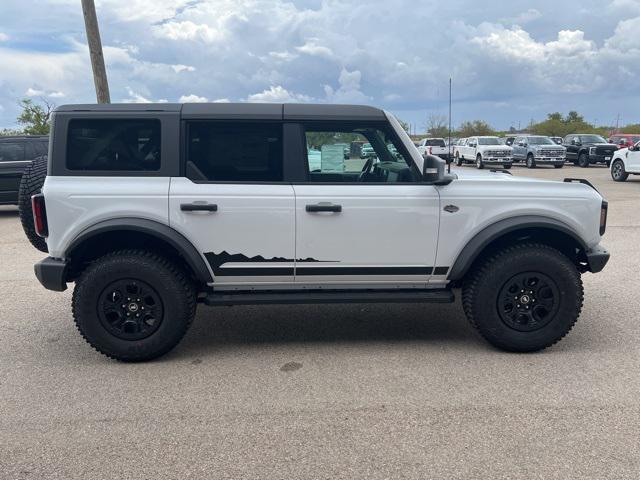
95 51
449 144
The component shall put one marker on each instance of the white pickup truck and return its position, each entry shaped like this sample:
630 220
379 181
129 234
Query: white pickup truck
433 146
153 209
483 151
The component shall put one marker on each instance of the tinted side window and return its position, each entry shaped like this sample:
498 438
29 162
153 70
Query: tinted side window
243 152
437 142
11 151
113 145
355 153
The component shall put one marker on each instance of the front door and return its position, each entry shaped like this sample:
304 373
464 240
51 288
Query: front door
233 204
363 220
633 159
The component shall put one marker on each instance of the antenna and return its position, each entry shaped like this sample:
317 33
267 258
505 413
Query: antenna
449 157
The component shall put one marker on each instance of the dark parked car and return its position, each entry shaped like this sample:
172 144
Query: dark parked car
585 149
16 154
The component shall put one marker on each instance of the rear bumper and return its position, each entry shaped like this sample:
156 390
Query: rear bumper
52 273
597 258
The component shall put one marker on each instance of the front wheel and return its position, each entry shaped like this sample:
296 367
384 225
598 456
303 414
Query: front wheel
618 172
458 160
531 163
583 160
559 165
479 162
133 305
524 298
507 166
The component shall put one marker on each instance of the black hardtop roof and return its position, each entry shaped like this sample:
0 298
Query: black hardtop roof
249 111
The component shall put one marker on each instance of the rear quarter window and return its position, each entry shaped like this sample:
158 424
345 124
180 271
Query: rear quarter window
113 145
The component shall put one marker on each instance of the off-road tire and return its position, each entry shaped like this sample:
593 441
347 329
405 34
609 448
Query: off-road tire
482 287
531 162
583 160
507 166
618 172
479 163
558 166
31 184
175 291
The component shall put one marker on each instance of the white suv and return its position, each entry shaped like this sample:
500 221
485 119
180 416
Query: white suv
484 150
153 209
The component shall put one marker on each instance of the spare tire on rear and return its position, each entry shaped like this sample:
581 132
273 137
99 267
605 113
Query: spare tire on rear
31 184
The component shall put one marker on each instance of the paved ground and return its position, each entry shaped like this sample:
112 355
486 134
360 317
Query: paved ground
358 391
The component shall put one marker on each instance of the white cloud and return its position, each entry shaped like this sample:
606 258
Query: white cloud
3 37
183 68
135 97
192 99
277 94
525 17
34 92
222 100
349 89
313 48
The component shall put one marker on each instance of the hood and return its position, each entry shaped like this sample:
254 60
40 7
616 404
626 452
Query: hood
495 147
600 144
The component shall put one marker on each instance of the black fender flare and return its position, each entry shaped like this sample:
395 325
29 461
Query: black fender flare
150 227
482 239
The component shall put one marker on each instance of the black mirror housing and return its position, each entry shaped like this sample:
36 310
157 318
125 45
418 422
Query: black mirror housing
433 169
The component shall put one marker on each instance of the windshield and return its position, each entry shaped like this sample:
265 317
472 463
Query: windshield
489 141
416 156
540 141
592 139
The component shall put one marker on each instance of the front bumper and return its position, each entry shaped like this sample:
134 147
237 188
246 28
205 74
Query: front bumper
593 158
52 273
597 258
497 160
550 160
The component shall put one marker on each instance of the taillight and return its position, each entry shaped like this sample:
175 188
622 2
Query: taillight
603 216
39 215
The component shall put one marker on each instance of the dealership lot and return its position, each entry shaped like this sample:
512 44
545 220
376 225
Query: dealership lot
379 391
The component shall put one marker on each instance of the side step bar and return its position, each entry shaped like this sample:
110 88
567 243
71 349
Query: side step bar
275 297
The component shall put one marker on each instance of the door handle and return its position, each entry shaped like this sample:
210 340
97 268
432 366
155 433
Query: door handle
198 207
324 207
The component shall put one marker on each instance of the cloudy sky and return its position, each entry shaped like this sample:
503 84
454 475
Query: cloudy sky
511 61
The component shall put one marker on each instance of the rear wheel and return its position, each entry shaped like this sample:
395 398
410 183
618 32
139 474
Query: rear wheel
524 298
531 163
458 160
479 162
583 160
133 305
31 184
618 172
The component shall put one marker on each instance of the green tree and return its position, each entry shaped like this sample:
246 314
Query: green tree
476 127
436 126
36 118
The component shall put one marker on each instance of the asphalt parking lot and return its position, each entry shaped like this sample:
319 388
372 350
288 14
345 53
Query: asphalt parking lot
335 391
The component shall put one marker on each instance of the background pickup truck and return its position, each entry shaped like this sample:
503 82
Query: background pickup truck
583 150
484 151
433 146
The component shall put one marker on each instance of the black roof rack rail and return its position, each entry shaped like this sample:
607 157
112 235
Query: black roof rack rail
580 180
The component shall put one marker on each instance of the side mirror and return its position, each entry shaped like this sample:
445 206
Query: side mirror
432 169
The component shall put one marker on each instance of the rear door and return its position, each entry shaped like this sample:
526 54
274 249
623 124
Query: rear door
232 202
519 151
363 222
